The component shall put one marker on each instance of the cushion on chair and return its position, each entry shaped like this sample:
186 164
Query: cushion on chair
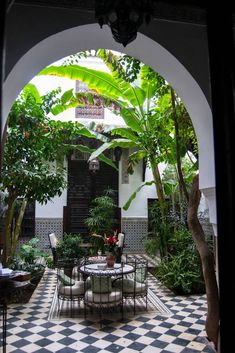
70 291
101 284
129 286
65 280
88 283
106 299
141 274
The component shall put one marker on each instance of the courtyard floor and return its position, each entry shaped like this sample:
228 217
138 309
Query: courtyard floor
178 329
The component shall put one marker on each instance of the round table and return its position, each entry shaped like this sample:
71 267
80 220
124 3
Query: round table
100 269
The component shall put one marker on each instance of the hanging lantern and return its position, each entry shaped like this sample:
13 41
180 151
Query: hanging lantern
94 165
124 17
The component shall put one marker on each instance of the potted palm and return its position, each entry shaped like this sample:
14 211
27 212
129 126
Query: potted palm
100 220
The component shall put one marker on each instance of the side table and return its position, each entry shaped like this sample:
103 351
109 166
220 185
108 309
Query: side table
8 286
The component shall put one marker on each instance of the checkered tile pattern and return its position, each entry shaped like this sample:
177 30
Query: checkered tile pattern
183 332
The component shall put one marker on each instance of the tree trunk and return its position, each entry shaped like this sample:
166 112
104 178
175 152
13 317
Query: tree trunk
162 204
18 227
7 228
207 259
182 185
159 188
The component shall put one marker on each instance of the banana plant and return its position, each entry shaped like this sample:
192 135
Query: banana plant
145 106
137 107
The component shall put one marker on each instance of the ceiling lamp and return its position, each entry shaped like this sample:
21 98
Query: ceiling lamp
124 17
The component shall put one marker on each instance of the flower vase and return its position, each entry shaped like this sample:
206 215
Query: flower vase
110 260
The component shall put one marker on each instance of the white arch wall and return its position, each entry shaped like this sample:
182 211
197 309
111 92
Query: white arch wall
148 51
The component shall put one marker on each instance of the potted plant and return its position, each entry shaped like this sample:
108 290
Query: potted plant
69 251
110 245
101 220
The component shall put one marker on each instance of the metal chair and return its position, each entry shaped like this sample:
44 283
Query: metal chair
100 295
135 285
68 289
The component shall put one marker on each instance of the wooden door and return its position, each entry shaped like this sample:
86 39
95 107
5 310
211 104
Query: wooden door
83 187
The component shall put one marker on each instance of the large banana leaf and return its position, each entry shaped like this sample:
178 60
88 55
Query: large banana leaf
131 120
133 196
102 82
147 85
102 157
111 61
30 88
124 143
125 132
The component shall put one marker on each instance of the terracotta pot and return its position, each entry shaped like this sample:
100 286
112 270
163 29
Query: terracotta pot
110 260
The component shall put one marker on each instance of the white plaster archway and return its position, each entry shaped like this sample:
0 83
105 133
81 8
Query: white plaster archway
148 51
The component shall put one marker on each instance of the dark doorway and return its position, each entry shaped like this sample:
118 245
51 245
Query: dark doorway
83 186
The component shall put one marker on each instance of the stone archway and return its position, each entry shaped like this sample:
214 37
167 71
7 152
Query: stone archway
148 51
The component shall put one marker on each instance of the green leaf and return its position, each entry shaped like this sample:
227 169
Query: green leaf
100 81
129 116
101 149
133 196
67 96
108 161
124 143
30 88
124 132
138 155
105 84
59 108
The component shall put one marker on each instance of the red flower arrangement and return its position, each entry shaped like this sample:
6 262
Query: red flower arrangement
110 244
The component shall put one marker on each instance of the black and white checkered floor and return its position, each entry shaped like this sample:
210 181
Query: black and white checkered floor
181 331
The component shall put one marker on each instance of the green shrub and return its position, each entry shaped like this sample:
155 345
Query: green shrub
151 247
182 272
27 260
69 247
50 262
30 251
181 240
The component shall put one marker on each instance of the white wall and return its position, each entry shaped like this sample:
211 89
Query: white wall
53 209
139 206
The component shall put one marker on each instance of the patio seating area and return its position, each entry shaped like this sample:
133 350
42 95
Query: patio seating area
172 324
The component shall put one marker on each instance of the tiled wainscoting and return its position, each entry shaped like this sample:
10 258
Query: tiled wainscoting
43 226
136 230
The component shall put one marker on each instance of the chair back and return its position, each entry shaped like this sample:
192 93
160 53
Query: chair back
53 240
121 238
53 243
